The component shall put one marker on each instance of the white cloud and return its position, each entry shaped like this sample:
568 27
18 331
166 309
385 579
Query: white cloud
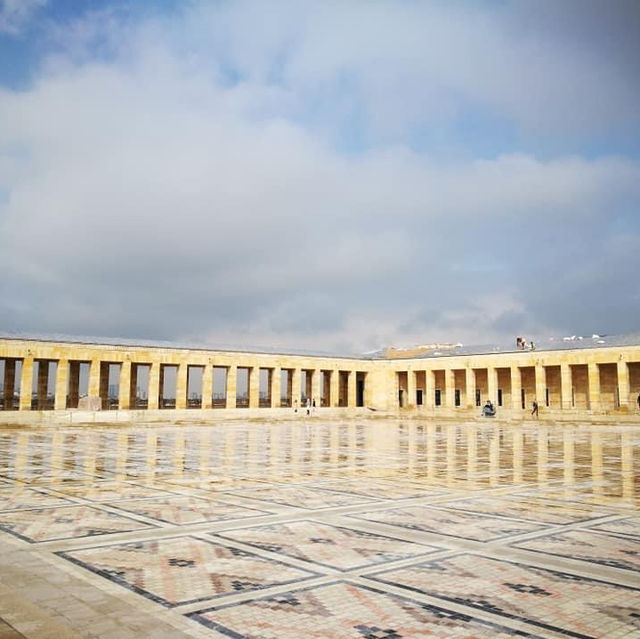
147 197
14 14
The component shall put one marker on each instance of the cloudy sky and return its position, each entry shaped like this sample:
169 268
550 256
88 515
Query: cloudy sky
328 175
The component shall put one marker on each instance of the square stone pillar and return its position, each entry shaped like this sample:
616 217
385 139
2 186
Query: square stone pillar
26 383
94 378
449 388
43 382
124 386
276 387
411 388
566 386
492 384
623 385
154 385
232 381
594 386
9 382
516 388
207 386
430 389
315 387
351 389
295 387
335 387
181 385
254 387
62 383
470 379
541 385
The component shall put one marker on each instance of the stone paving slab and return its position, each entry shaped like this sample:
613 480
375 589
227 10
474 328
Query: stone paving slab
380 530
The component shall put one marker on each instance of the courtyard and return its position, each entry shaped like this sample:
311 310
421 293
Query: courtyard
374 529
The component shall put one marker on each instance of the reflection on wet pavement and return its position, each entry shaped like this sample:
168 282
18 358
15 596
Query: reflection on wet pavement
364 529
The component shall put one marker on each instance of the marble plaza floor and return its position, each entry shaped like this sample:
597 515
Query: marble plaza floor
380 529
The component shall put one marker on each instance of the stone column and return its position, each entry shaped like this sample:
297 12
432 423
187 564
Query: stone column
207 386
594 386
541 385
450 388
335 387
154 385
470 398
430 389
43 382
351 389
94 379
181 385
566 385
295 387
232 379
315 387
9 382
62 383
516 388
276 387
124 386
26 383
411 388
254 387
492 384
623 385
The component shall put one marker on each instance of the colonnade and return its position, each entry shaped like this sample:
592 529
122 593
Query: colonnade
46 376
560 383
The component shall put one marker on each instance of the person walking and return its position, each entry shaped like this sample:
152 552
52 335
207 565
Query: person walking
534 409
638 401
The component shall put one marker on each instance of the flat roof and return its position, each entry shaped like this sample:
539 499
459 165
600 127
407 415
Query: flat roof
548 344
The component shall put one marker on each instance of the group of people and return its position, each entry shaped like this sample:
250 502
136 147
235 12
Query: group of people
309 405
521 344
489 410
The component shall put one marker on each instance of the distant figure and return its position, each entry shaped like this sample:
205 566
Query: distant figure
533 346
534 409
518 342
488 409
308 405
523 343
313 406
638 401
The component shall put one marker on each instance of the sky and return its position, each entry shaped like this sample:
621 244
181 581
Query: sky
334 175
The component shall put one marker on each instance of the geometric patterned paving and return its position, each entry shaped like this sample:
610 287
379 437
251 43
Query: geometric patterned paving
529 509
345 611
373 529
333 546
598 548
47 524
303 497
455 524
23 497
185 569
186 510
111 491
577 606
626 526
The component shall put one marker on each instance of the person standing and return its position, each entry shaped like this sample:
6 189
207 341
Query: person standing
638 401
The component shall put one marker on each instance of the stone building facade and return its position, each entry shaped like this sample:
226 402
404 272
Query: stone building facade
44 377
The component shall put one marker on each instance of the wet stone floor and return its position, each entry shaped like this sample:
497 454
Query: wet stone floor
380 529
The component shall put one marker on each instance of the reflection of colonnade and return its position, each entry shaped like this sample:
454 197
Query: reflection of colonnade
448 454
